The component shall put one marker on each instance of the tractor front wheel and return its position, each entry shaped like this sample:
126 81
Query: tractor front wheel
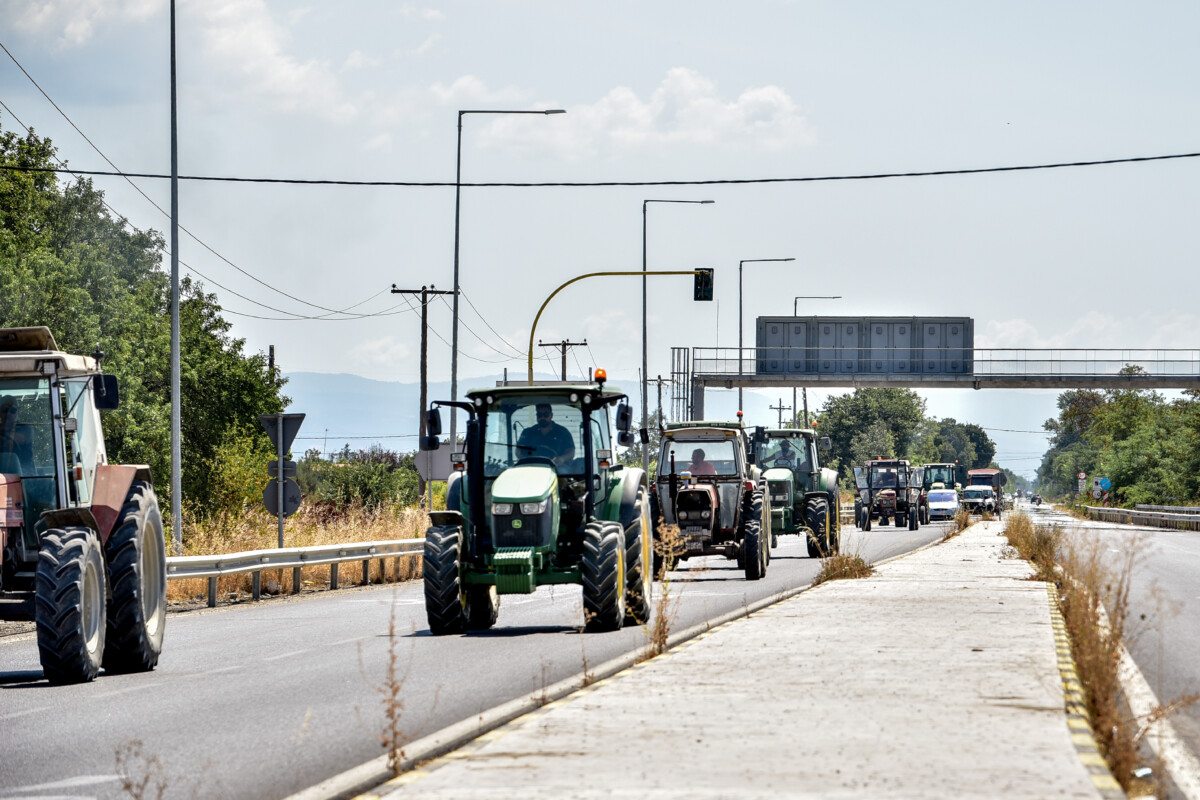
602 569
639 582
69 590
447 602
816 516
137 576
483 607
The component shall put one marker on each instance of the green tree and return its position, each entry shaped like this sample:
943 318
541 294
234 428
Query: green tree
843 417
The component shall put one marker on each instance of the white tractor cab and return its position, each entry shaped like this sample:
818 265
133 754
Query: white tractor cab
81 538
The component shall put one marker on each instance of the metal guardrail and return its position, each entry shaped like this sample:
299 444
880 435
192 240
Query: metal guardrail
1156 519
1168 509
295 558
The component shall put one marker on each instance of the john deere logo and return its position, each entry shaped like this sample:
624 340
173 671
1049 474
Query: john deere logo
516 523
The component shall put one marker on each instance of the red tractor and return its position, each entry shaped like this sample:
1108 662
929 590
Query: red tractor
79 537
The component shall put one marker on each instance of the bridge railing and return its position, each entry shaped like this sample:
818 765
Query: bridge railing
1156 519
294 558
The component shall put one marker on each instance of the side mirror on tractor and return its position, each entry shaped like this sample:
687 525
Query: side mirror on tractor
624 418
826 443
626 439
105 393
433 429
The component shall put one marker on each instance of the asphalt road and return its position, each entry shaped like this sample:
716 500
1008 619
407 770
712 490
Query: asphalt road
262 700
1164 604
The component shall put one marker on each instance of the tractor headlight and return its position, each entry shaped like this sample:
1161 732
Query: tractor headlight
705 514
502 509
535 508
683 515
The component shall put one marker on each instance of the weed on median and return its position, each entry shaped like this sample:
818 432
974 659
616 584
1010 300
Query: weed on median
1094 601
668 547
962 521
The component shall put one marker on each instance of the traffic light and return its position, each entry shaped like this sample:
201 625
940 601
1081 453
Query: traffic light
702 287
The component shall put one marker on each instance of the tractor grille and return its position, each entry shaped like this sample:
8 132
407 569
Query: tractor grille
780 493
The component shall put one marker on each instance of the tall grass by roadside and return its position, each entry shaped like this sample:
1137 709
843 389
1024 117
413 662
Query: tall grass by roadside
255 529
962 521
1094 601
669 546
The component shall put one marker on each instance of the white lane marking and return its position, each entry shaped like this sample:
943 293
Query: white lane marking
1162 736
25 713
220 670
67 783
140 687
347 641
287 655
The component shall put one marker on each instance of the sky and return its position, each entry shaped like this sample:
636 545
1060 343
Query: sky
366 90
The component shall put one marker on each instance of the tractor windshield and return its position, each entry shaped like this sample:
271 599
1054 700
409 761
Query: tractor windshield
701 456
26 436
781 452
888 478
535 429
943 475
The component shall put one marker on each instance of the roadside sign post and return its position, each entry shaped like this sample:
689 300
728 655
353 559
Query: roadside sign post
282 495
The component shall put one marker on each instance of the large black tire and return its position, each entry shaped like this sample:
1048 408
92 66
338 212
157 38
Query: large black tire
866 523
857 513
602 569
752 553
483 607
639 581
655 541
136 553
816 515
755 554
913 524
447 603
69 605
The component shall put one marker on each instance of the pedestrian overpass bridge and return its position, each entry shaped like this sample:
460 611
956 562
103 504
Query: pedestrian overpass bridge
695 369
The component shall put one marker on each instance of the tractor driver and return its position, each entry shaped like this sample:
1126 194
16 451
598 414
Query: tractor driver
699 466
789 457
548 438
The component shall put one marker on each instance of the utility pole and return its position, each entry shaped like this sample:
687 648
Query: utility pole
565 345
659 381
425 292
806 407
780 408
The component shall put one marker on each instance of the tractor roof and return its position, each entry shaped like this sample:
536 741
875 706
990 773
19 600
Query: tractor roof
23 351
700 423
790 433
543 388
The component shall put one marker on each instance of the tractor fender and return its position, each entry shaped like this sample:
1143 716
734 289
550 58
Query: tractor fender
446 518
622 500
454 492
109 493
64 517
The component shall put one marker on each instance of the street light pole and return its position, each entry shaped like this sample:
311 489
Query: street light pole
795 307
645 369
740 263
457 209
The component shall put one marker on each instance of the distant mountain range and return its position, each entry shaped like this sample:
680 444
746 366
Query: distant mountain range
348 409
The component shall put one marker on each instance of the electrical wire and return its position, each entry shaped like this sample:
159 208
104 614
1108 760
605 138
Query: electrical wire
442 339
489 325
519 355
161 210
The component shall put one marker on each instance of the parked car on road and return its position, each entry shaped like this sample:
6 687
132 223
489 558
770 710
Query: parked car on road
943 504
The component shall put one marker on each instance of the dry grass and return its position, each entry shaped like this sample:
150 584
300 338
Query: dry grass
843 566
1037 544
392 738
669 545
141 773
961 521
1094 600
315 525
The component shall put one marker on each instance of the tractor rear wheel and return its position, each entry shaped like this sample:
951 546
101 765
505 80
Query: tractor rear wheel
866 524
639 582
857 513
447 602
483 607
655 542
136 553
602 569
913 522
754 548
69 590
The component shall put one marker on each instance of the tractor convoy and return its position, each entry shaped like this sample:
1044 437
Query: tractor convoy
535 498
80 538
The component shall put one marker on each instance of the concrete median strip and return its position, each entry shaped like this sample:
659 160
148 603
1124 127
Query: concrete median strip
937 677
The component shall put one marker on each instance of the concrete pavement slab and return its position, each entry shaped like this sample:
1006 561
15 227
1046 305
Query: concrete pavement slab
935 677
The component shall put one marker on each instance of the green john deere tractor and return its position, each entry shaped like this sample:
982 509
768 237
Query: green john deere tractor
536 500
803 496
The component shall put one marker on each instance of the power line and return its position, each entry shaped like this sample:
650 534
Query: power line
479 314
485 342
596 184
442 339
161 210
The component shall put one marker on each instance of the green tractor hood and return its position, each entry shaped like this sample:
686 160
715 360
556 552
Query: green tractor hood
528 484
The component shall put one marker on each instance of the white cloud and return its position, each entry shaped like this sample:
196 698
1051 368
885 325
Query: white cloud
1096 330
381 143
686 108
470 90
427 45
386 354
248 48
74 20
358 60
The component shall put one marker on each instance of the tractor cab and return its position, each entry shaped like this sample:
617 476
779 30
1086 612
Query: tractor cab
942 476
803 497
